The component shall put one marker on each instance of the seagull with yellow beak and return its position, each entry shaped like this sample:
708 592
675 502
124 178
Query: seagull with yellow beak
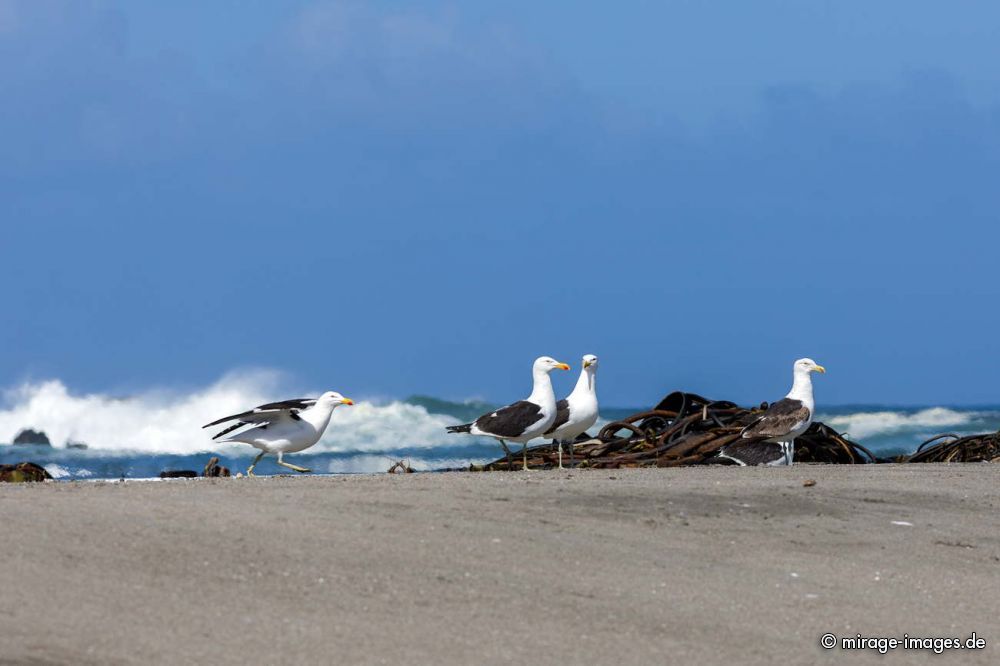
576 412
525 419
282 427
770 440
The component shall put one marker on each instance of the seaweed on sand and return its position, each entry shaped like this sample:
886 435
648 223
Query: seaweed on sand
950 447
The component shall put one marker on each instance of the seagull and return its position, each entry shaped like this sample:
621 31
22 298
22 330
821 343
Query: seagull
578 411
770 440
282 427
525 419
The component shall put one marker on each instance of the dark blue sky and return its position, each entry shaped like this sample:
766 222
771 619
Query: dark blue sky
391 198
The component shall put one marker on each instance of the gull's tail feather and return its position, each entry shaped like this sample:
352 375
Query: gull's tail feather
466 427
228 430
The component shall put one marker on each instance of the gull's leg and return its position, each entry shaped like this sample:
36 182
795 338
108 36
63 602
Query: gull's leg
510 461
254 463
291 466
572 445
524 454
790 452
559 443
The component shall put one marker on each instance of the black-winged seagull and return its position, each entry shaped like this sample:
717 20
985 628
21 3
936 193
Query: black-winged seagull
578 411
525 419
770 440
282 427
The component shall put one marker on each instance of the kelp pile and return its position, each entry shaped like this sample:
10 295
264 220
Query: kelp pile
24 472
953 448
683 429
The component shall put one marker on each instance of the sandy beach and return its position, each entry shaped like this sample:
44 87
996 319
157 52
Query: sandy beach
719 565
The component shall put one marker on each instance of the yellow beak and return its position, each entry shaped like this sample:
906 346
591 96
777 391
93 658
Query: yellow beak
347 401
819 368
562 366
586 364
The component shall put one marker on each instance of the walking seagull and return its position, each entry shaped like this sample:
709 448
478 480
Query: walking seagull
525 419
578 411
770 440
282 427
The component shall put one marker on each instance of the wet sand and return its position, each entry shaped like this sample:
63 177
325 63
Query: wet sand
719 565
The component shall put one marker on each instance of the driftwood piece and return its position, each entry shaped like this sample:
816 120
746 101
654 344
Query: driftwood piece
400 467
686 429
214 469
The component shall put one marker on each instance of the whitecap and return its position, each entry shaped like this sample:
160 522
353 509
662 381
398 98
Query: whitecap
57 471
868 424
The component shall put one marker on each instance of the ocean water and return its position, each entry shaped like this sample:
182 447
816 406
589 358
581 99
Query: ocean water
141 435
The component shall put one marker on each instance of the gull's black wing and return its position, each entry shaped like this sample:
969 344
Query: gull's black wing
510 421
562 416
268 411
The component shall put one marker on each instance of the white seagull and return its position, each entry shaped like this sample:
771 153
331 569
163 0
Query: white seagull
770 440
578 411
525 419
282 427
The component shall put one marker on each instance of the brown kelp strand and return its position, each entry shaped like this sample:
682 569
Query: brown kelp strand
683 429
953 448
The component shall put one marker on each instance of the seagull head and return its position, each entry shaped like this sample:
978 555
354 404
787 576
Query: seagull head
590 361
548 364
333 398
808 365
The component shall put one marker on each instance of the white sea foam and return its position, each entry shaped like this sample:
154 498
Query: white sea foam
868 424
371 427
57 471
159 421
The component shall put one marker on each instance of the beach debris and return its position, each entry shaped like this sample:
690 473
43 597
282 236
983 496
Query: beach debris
400 467
213 468
809 483
687 429
954 544
949 447
23 472
902 523
32 436
178 474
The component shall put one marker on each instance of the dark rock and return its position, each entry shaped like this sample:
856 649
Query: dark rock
30 436
76 445
213 468
178 474
24 472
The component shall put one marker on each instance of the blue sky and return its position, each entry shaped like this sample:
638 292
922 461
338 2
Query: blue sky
393 198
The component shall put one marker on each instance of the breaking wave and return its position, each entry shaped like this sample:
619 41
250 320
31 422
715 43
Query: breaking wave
861 425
